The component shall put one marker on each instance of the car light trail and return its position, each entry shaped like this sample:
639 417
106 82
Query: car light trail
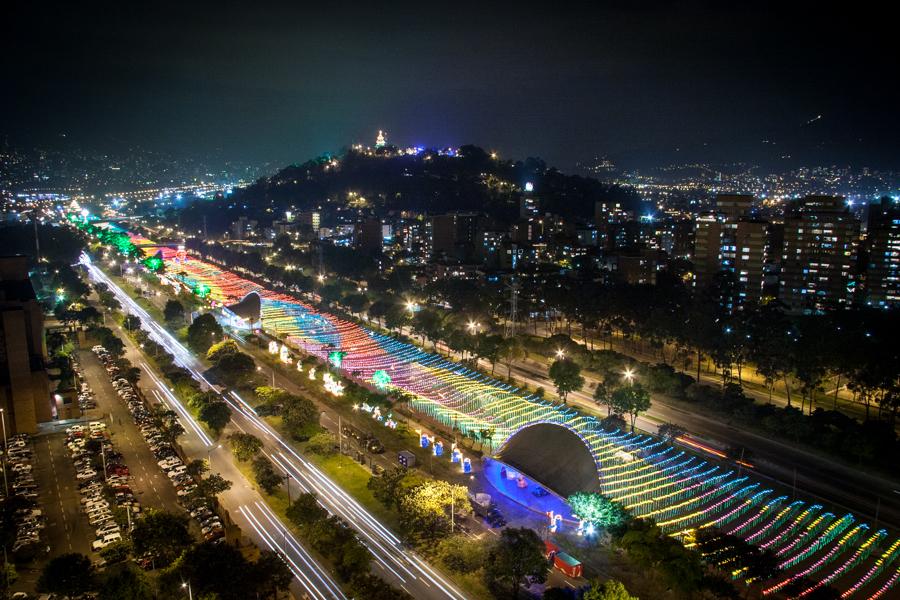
291 551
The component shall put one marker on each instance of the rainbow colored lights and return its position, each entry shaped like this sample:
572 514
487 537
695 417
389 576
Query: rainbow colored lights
649 478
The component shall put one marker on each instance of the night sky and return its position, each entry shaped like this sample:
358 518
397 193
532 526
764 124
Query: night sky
281 83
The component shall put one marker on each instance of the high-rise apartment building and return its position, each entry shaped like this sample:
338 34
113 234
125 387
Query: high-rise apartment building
707 248
744 252
819 250
24 386
883 267
731 240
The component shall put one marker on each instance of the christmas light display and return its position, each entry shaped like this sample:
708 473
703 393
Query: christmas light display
649 477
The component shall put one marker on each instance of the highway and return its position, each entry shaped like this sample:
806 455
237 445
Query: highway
396 563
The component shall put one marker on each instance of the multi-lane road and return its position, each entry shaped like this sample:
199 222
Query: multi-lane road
393 560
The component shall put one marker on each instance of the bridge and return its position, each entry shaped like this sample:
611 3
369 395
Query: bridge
571 451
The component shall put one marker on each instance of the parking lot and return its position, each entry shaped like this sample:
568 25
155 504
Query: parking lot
149 483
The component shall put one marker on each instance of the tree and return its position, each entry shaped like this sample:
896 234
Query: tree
67 575
461 554
429 323
305 510
216 415
425 509
245 445
298 413
356 303
598 509
603 396
516 557
511 350
116 552
173 312
321 443
396 317
387 487
126 583
203 332
271 573
608 590
236 367
132 323
197 467
221 349
269 394
212 486
566 376
265 474
132 375
631 400
8 576
88 315
489 348
161 534
217 571
372 587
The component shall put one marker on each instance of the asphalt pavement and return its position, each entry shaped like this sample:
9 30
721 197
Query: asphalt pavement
150 485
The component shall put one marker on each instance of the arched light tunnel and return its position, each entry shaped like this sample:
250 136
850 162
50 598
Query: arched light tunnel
553 455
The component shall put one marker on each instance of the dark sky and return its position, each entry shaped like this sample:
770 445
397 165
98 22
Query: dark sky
642 83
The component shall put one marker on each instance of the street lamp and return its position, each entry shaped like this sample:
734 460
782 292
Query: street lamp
411 306
629 375
5 453
187 586
473 327
560 353
259 368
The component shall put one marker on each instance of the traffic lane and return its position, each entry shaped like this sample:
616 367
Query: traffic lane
400 566
150 485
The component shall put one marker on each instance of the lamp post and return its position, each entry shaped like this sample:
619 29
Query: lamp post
258 368
629 376
5 454
187 585
560 353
